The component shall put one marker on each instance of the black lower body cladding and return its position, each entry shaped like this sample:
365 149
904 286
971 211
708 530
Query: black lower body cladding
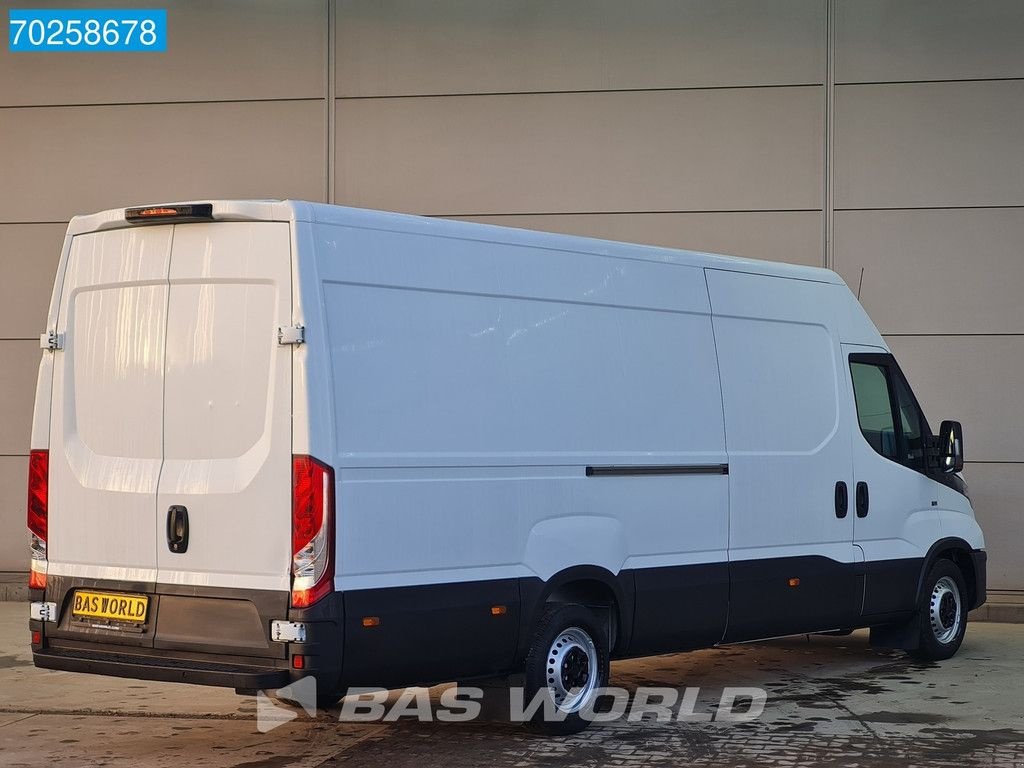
432 633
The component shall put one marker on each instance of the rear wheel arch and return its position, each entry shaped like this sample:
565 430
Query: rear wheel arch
591 586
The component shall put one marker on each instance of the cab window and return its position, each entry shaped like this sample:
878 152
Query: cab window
874 407
889 416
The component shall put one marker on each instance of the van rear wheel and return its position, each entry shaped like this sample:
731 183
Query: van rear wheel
942 612
567 667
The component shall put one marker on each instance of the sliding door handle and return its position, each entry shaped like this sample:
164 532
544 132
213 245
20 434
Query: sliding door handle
862 499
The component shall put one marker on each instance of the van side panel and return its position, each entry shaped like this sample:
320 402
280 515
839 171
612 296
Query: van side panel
475 383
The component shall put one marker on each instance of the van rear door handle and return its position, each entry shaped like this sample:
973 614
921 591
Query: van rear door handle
862 499
842 500
177 529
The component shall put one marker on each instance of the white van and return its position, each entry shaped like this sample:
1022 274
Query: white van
275 439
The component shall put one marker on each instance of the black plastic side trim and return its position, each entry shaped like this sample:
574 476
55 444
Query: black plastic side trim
781 596
980 559
679 607
890 586
659 469
430 633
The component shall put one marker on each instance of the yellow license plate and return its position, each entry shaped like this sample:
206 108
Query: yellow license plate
107 605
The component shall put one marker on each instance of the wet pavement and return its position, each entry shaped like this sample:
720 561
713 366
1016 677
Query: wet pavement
830 701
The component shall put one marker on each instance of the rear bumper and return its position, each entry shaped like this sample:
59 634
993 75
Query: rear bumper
197 635
979 559
169 670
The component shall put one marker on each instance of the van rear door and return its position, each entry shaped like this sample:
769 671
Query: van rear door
106 433
226 409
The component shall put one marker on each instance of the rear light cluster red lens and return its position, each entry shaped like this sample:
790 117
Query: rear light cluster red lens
38 502
312 531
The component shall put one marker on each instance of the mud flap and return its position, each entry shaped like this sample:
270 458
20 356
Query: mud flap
904 636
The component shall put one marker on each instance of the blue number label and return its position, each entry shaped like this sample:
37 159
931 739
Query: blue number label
87 30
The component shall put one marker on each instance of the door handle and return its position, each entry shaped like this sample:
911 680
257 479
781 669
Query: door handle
177 529
862 499
842 500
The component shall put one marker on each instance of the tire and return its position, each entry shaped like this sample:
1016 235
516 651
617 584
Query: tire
941 612
569 639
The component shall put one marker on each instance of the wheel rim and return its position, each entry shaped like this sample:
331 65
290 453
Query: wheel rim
945 610
572 671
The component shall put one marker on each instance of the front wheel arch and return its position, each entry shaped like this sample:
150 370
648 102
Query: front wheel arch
957 550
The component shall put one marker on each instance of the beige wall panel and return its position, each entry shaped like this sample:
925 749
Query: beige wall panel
13 493
734 149
929 144
466 46
976 380
28 255
81 159
997 492
229 49
886 40
793 236
936 271
19 368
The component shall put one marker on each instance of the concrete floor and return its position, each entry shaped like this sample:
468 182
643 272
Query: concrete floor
831 701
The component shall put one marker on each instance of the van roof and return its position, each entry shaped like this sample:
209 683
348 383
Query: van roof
365 218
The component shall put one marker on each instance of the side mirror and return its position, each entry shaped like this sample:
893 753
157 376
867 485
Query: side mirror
951 447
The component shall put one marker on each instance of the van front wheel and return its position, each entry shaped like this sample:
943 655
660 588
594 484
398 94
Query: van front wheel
942 612
567 667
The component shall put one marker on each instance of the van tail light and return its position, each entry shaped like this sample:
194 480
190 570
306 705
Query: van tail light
38 495
312 531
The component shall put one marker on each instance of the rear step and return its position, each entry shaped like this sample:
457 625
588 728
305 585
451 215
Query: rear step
169 670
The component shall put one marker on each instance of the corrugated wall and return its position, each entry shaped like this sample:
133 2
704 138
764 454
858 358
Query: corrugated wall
883 137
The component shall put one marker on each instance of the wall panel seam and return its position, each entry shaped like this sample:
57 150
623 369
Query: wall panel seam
928 82
1002 206
330 104
161 103
671 89
828 228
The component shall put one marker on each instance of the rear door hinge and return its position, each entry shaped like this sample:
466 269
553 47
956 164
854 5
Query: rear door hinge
51 340
291 334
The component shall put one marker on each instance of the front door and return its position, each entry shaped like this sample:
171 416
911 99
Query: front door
895 500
